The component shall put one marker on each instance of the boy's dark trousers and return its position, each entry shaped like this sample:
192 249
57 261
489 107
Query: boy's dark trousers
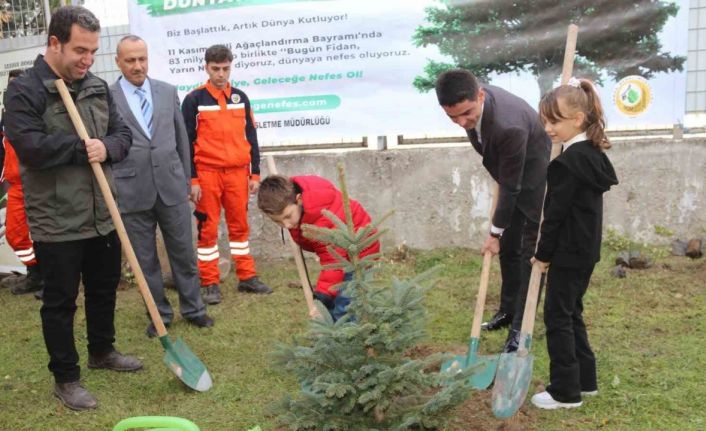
572 366
96 261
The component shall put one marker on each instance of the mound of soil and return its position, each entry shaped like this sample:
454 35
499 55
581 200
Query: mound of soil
476 414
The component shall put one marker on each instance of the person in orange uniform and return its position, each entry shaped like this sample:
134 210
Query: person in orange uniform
17 230
225 170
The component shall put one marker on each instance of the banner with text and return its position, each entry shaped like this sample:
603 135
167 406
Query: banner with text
327 70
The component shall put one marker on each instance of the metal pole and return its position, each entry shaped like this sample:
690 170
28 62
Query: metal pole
47 14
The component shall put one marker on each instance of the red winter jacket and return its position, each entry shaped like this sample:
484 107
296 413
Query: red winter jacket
319 194
11 165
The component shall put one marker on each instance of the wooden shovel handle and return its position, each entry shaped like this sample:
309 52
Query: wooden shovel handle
567 70
569 53
296 252
485 273
480 298
536 276
532 298
114 213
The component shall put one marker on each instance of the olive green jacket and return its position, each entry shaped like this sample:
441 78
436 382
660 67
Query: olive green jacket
62 197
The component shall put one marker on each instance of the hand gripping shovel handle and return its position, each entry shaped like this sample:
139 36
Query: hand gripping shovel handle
296 252
114 213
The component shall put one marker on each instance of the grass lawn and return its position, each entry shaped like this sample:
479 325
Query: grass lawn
647 331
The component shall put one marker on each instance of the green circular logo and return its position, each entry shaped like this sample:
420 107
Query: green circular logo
632 95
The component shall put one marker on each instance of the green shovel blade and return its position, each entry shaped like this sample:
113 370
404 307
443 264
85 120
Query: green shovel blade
515 369
511 383
189 369
484 375
482 368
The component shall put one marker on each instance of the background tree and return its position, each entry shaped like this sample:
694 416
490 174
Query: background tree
356 374
619 38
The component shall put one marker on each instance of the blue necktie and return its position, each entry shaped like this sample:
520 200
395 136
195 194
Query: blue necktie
146 109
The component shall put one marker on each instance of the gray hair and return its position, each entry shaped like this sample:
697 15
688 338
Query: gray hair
129 37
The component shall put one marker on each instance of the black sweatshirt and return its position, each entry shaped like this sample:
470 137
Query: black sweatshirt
573 209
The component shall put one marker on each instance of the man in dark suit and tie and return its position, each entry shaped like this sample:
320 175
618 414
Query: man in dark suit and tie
509 136
154 182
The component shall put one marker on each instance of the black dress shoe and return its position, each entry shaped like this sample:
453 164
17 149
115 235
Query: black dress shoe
254 285
500 320
513 341
75 396
202 321
115 361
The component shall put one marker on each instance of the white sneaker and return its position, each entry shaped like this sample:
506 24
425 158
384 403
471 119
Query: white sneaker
589 393
545 401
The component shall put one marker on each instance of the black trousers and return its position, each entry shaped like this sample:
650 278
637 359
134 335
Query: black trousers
517 247
96 261
572 365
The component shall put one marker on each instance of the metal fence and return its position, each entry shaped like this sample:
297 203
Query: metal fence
20 18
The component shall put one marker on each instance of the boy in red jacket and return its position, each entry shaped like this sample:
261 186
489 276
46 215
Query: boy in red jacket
291 202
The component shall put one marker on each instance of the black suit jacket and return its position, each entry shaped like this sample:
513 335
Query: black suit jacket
515 150
573 209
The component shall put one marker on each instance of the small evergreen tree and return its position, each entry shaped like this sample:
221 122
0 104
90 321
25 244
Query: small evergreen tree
354 374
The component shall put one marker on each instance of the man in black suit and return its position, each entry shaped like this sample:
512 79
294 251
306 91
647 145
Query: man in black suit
509 136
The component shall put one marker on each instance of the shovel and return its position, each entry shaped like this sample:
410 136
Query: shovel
314 312
484 366
515 369
177 357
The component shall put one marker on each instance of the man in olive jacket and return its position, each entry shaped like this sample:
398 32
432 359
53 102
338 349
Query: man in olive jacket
68 217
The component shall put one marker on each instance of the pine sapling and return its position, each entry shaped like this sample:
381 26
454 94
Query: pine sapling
355 374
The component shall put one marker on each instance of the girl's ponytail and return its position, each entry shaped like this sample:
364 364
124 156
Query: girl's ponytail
595 121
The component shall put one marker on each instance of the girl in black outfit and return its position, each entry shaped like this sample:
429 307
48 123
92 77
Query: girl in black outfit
570 239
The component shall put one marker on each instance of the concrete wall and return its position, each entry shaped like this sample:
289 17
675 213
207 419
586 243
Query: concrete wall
441 196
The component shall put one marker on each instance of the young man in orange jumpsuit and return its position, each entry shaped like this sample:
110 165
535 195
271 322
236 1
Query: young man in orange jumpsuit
225 170
17 230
